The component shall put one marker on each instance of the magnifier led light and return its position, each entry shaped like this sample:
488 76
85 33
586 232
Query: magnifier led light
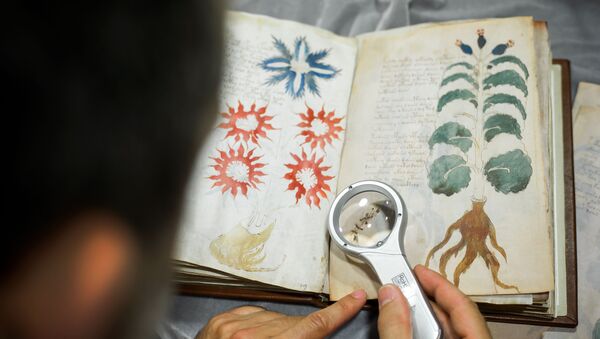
367 222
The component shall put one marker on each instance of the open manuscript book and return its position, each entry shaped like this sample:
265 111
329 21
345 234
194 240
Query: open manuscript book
459 117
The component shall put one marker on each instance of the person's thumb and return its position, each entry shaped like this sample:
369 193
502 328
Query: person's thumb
394 314
322 323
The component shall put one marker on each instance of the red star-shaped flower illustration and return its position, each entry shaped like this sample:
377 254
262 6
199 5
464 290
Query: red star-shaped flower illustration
236 170
252 124
308 179
319 129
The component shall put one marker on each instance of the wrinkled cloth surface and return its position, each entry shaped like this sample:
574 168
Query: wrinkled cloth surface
574 33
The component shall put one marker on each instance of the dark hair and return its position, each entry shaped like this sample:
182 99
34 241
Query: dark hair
106 103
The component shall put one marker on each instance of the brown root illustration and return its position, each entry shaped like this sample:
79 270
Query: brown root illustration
474 226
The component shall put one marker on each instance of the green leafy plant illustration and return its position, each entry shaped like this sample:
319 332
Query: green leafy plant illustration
490 88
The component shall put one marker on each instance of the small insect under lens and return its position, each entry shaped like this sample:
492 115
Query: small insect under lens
367 219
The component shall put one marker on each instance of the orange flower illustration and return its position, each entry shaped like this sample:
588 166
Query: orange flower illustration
307 177
236 171
319 129
247 125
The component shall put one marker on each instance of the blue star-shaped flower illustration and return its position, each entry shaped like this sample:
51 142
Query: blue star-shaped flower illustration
299 69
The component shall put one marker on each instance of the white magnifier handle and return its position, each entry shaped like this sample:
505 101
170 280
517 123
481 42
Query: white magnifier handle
394 269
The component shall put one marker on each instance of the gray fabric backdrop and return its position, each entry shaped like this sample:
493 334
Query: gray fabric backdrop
575 35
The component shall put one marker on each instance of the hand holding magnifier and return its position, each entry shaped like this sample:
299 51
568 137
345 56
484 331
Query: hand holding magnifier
367 221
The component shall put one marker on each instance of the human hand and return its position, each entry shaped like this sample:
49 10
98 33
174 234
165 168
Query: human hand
459 317
256 322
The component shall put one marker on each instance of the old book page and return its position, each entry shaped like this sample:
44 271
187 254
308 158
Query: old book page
449 114
264 180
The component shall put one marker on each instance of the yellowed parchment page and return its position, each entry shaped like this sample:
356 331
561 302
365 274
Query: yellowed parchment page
264 180
481 183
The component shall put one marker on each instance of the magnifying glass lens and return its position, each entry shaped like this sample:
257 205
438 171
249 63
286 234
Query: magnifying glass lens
367 219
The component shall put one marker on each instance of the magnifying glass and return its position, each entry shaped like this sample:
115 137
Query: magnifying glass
367 221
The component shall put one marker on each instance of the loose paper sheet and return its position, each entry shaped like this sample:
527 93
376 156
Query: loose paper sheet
586 140
588 94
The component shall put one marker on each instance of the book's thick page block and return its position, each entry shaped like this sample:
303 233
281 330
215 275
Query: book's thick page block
560 266
451 115
262 183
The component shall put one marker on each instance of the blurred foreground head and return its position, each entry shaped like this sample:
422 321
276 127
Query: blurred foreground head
104 107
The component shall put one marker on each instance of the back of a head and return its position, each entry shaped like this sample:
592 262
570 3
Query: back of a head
105 105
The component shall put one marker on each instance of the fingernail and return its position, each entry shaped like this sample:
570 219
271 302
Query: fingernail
387 293
359 294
